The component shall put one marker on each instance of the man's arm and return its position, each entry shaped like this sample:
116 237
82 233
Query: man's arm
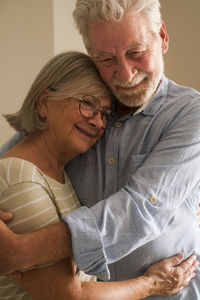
167 277
139 212
16 138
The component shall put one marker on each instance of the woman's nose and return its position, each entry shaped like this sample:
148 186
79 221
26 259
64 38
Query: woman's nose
98 121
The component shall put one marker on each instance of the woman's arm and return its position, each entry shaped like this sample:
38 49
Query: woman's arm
60 282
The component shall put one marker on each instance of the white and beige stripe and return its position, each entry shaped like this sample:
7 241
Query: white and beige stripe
36 200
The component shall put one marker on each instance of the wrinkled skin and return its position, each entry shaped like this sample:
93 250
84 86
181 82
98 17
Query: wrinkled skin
170 276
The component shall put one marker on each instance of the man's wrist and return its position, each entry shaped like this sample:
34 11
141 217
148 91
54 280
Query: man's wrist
150 284
142 286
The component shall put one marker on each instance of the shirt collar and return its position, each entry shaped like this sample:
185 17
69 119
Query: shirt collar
152 107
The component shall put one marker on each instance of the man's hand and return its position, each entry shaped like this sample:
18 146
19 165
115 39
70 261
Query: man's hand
8 247
5 216
171 275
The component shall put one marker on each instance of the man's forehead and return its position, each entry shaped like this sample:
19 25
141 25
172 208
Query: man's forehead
104 51
103 42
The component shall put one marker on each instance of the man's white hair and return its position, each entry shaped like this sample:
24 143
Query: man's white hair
114 10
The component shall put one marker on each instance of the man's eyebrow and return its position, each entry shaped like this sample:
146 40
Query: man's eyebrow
101 53
137 45
133 46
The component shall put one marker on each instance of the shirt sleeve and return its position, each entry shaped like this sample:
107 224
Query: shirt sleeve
32 206
139 212
16 138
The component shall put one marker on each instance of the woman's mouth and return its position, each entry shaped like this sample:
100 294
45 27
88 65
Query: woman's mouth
86 132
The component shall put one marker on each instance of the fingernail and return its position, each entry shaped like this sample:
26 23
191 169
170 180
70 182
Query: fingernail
16 275
6 215
181 255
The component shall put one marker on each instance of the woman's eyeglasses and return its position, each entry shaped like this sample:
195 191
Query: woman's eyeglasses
90 106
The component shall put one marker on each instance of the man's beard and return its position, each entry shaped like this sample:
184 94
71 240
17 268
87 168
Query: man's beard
140 95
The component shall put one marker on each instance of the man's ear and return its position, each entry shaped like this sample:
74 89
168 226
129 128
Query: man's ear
164 38
42 103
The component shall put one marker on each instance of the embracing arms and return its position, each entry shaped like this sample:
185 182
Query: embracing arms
21 251
158 152
26 250
164 278
62 283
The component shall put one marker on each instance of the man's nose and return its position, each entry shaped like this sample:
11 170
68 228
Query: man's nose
125 70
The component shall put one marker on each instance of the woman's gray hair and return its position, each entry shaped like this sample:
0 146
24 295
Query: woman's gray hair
113 10
69 74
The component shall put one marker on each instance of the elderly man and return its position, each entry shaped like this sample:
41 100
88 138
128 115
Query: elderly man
146 166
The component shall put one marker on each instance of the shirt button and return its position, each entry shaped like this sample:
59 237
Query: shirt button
111 161
153 200
118 124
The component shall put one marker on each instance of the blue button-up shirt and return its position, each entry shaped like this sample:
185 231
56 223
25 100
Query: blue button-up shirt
146 168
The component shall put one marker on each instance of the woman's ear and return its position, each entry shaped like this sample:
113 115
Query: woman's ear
41 103
164 38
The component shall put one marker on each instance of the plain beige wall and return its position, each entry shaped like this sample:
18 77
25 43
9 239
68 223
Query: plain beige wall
66 37
182 62
26 35
32 31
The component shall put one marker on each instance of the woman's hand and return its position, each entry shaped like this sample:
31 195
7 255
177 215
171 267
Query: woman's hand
171 275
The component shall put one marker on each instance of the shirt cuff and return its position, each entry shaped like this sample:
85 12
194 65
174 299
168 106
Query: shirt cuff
87 245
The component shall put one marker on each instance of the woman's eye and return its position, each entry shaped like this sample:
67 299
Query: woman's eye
107 112
86 102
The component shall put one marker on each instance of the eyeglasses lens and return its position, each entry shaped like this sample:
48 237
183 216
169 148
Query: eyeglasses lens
89 106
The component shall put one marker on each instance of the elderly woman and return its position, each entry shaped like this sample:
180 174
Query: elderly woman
63 115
